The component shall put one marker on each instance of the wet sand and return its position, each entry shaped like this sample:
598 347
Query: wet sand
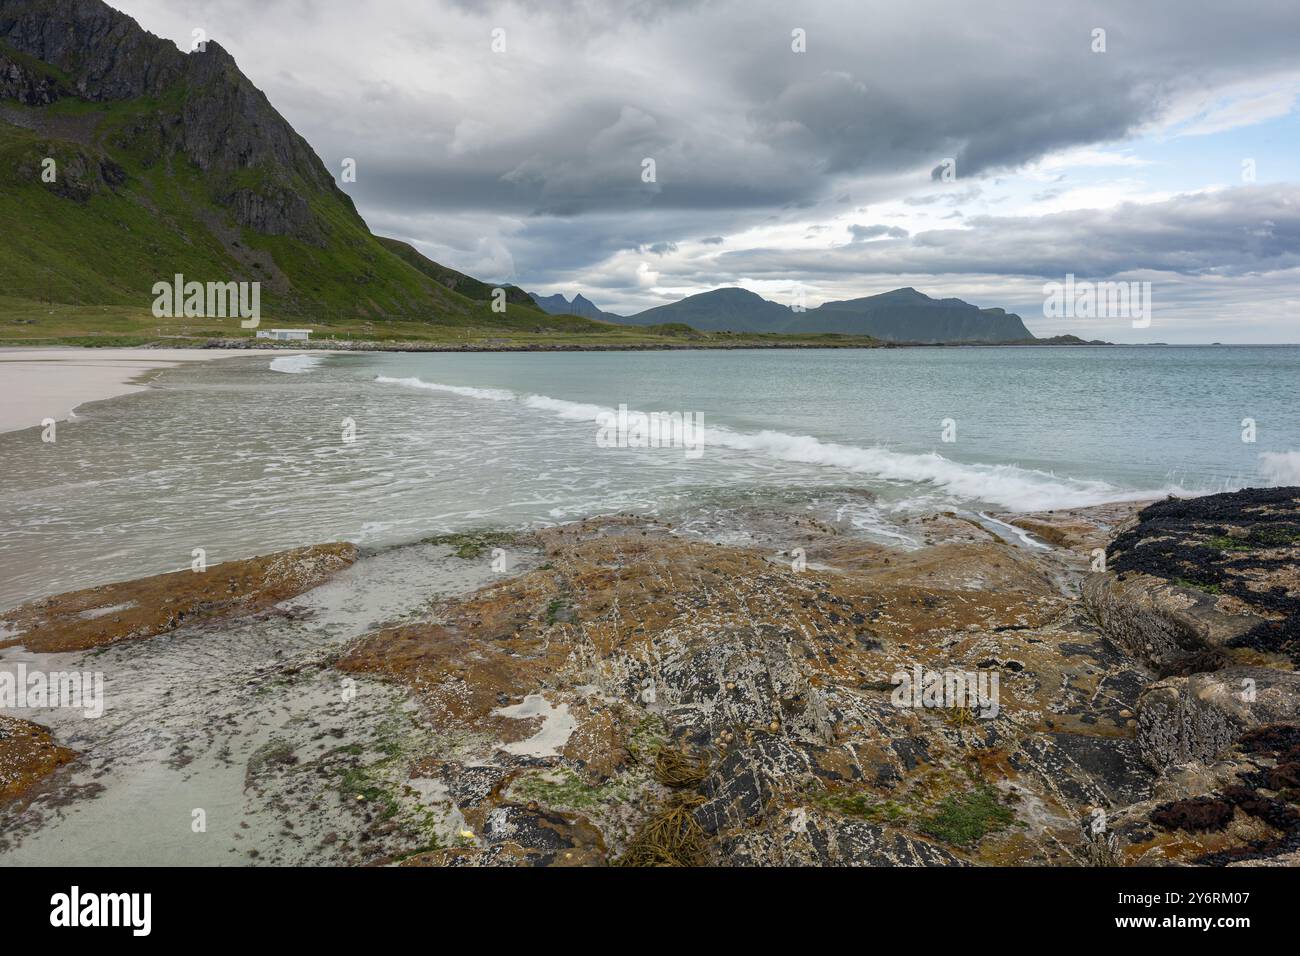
36 384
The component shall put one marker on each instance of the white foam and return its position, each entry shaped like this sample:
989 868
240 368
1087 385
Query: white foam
1007 486
1281 467
294 364
570 411
491 394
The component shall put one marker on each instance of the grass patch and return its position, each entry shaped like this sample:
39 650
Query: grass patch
1225 543
1198 586
1273 537
564 788
964 819
860 804
472 544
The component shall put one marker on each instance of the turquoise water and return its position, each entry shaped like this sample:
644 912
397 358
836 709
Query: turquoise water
238 457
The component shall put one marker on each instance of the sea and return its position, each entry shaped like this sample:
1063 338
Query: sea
255 453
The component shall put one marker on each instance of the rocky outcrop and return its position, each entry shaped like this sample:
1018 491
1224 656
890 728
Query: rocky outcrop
1201 716
28 754
25 81
104 52
222 123
275 211
81 173
567 688
1212 578
1206 592
1159 622
1240 809
134 610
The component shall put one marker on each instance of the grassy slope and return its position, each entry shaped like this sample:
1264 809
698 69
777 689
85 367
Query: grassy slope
78 258
82 242
466 285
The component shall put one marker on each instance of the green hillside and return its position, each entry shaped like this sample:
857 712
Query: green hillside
167 163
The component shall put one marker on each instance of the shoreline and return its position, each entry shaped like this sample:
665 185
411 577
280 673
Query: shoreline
554 715
53 382
236 346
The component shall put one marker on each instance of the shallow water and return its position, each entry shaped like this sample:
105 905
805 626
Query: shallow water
239 457
248 723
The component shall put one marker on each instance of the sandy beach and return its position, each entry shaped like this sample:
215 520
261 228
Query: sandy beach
36 384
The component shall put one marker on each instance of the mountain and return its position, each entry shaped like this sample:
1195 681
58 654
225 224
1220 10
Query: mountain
167 162
581 305
467 286
904 315
722 309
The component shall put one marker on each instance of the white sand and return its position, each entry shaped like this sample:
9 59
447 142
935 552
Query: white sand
49 383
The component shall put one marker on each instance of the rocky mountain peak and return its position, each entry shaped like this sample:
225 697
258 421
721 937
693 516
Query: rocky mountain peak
220 121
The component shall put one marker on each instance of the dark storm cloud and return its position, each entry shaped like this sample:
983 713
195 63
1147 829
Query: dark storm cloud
559 123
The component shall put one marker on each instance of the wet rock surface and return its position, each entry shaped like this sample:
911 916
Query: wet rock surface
1199 717
779 680
721 691
1220 572
28 754
145 607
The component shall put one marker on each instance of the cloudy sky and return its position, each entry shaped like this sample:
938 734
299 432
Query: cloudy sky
1171 156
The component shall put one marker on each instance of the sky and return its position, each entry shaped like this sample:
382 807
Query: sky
811 152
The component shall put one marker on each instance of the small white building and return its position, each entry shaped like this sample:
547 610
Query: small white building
285 335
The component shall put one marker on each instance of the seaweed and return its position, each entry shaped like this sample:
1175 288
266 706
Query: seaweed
676 768
1194 814
1219 545
670 837
471 544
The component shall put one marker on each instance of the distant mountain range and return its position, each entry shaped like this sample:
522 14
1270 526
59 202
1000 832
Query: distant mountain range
903 315
581 305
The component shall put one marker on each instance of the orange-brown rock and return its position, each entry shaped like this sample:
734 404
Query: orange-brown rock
782 679
132 610
28 754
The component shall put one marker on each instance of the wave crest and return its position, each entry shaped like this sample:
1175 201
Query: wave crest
1007 486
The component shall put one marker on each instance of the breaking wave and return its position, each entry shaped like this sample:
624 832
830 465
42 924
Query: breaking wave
492 394
295 364
1281 467
1008 486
